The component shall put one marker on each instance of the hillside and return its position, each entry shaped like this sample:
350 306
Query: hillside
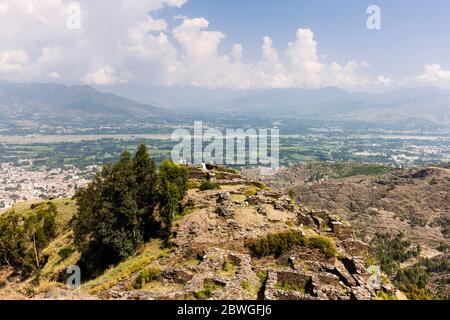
40 101
414 202
242 241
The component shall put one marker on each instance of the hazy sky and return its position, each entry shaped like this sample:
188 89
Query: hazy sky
226 43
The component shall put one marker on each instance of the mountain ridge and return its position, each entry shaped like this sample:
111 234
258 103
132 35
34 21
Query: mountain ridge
427 104
65 101
414 107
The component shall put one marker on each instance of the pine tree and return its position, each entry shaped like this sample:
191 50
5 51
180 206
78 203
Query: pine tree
173 182
147 183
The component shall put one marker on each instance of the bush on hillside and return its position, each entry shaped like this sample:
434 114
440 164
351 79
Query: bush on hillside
208 185
24 237
326 245
277 243
145 276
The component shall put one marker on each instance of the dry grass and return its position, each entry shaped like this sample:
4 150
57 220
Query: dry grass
125 270
159 287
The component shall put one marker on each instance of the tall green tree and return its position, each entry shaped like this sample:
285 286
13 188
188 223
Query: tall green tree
173 185
123 206
108 225
147 185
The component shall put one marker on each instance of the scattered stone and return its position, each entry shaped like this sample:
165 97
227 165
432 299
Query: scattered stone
225 208
260 209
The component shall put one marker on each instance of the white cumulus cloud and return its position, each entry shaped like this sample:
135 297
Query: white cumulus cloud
102 76
124 41
434 73
12 61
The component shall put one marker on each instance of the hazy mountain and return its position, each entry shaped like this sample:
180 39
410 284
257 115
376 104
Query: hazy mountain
38 100
424 105
180 98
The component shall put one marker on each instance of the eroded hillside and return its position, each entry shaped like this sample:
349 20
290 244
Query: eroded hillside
414 202
242 241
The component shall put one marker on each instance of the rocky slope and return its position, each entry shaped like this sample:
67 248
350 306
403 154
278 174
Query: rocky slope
414 201
210 256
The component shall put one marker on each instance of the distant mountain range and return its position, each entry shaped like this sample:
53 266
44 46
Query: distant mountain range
38 100
425 106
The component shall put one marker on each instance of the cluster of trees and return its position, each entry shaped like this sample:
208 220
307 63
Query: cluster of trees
125 205
435 266
23 237
413 281
391 250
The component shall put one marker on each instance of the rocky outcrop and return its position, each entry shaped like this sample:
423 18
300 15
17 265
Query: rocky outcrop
210 257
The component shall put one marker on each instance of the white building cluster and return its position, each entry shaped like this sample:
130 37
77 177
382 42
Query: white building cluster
24 182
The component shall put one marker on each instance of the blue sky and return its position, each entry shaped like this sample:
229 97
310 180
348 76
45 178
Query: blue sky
414 32
243 44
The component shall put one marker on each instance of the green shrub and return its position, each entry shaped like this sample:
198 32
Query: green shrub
208 185
326 245
250 192
289 287
245 285
262 276
278 243
145 276
384 296
227 266
207 290
64 253
292 194
437 266
203 294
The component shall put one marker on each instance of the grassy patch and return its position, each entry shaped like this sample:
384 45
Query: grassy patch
228 268
245 285
278 243
190 263
289 287
250 192
238 197
145 276
292 194
184 213
207 291
208 185
126 269
384 296
325 244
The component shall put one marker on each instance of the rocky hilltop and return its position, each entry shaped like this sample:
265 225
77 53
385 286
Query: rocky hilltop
414 202
240 241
